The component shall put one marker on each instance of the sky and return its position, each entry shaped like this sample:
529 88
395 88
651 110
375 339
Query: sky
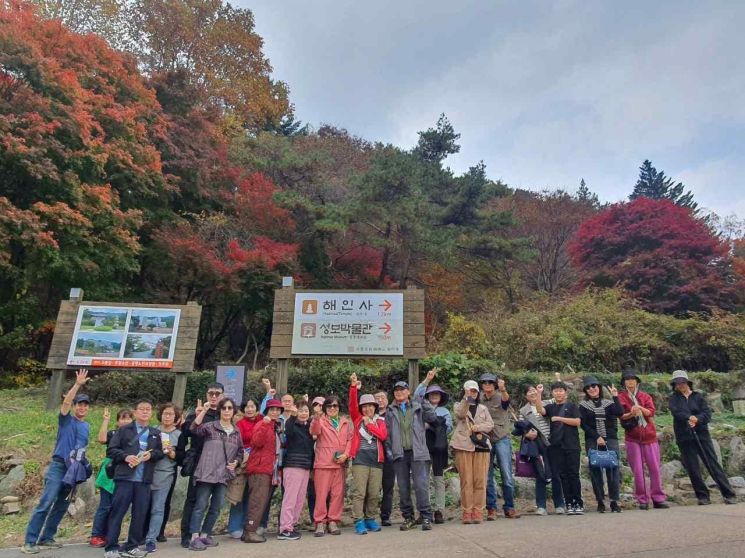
544 92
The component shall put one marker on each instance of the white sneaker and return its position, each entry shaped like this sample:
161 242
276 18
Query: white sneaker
541 511
560 511
236 534
111 554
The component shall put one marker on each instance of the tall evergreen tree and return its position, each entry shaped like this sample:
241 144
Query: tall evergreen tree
655 185
585 195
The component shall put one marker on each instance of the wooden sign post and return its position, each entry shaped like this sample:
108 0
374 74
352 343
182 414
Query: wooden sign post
183 353
347 324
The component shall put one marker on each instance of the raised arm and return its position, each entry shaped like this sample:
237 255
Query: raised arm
354 407
104 430
81 378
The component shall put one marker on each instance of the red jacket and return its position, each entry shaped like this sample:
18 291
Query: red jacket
641 435
246 427
263 449
377 428
329 440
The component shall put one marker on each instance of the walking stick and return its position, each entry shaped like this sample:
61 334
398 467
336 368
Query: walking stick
704 456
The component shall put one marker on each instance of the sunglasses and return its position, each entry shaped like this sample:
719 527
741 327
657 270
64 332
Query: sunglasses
214 393
227 408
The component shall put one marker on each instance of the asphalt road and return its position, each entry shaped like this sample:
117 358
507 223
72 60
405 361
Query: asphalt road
679 532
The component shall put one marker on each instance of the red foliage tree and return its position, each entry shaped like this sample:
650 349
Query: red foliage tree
660 254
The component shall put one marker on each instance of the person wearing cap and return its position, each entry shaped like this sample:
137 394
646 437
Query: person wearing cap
406 447
599 420
296 472
72 435
472 448
389 475
437 439
263 470
542 432
691 416
496 399
564 450
640 436
333 434
367 455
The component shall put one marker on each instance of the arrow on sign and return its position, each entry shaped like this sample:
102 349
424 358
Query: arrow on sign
386 328
386 306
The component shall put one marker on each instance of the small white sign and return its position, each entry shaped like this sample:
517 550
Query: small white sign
353 324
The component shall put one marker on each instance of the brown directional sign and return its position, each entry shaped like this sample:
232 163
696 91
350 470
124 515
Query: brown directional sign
125 335
348 323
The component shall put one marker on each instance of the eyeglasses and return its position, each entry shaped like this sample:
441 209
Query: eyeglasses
227 408
214 393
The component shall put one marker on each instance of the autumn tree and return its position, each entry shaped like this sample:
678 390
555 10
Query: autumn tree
660 253
217 45
655 185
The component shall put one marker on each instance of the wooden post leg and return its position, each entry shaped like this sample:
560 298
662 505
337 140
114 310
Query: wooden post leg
54 399
179 389
283 373
413 374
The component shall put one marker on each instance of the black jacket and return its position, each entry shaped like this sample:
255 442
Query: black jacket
589 420
299 452
682 409
188 441
125 442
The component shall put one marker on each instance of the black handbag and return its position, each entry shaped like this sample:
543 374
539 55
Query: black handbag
479 439
189 463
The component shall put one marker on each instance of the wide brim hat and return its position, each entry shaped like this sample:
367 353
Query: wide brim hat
589 381
629 374
680 376
444 397
369 399
273 404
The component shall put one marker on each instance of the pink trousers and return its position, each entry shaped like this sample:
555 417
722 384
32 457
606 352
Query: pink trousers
329 482
639 455
295 483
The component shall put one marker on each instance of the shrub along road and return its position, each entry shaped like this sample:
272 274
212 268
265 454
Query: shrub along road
679 532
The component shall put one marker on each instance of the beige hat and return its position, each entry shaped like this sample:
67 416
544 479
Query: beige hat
471 384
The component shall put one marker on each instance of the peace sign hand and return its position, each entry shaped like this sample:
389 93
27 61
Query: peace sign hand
613 390
431 374
106 414
199 407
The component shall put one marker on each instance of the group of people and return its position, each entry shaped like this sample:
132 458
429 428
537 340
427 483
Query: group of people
305 449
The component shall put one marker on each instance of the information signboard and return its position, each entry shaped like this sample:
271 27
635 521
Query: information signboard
348 324
233 379
124 337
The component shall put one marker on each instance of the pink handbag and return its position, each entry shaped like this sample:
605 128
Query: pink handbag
524 469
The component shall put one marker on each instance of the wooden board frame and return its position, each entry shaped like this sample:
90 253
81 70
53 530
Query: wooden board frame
183 355
282 326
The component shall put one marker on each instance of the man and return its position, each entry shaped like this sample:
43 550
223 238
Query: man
691 416
134 449
495 397
72 435
406 447
214 396
389 475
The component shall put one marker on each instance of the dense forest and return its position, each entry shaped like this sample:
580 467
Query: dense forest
148 153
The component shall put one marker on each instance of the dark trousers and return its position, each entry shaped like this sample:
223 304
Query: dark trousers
260 487
439 462
407 469
613 476
136 494
389 481
311 499
191 500
690 451
101 519
565 464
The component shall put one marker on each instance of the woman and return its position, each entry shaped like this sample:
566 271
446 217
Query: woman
220 456
262 469
437 439
599 419
691 416
529 412
333 446
237 493
298 462
164 473
564 450
472 448
368 455
642 447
